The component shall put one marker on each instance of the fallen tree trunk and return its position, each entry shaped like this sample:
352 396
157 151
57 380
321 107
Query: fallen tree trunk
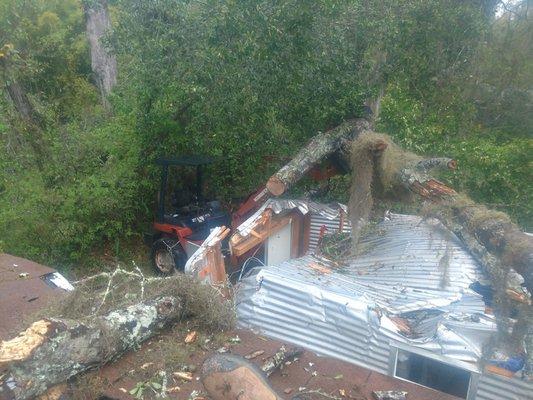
321 146
54 350
493 229
491 237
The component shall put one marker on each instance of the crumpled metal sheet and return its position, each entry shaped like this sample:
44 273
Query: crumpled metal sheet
345 312
279 205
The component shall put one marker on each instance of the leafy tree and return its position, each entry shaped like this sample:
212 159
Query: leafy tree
248 82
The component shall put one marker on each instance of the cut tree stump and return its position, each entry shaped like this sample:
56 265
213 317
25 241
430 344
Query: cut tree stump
229 377
53 350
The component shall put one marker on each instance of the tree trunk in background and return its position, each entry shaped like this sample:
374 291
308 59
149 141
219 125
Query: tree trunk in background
54 350
21 102
103 62
32 122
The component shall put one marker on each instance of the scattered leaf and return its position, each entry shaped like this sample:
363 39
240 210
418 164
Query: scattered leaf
235 339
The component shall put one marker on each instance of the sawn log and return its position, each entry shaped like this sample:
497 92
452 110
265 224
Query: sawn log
54 350
321 146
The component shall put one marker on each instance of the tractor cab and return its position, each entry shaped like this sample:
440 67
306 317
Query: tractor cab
184 217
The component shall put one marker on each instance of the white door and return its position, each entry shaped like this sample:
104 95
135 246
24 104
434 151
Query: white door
278 246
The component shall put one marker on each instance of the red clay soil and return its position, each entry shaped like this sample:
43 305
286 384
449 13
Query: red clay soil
336 378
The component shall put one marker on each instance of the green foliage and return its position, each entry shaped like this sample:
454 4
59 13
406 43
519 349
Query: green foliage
89 194
248 82
494 165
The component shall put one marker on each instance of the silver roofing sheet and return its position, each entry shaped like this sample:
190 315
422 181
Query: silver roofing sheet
496 387
317 221
409 265
407 251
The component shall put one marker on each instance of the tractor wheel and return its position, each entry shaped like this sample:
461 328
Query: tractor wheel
168 255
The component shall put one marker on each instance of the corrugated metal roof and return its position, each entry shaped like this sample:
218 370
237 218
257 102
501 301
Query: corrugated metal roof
495 387
331 224
410 265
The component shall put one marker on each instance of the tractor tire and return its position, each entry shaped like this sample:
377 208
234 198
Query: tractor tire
167 256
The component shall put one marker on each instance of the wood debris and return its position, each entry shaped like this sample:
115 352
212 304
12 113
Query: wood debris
186 376
191 337
254 354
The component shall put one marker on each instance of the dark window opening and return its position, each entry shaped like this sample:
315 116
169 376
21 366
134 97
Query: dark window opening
433 374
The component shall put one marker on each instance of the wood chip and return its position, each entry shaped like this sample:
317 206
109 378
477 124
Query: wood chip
173 389
191 337
287 391
186 376
254 354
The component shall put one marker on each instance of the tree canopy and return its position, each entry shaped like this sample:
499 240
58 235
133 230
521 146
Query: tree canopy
247 82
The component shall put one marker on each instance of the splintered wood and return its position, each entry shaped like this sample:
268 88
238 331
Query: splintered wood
267 225
21 347
208 262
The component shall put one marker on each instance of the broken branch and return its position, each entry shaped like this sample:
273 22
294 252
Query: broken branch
280 358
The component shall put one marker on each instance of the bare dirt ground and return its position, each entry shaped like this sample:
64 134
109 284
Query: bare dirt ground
337 379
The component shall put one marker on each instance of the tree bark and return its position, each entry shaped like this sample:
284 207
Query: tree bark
54 350
497 234
21 102
32 121
320 146
103 62
278 360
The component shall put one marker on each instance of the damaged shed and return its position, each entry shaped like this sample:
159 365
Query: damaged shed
413 304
